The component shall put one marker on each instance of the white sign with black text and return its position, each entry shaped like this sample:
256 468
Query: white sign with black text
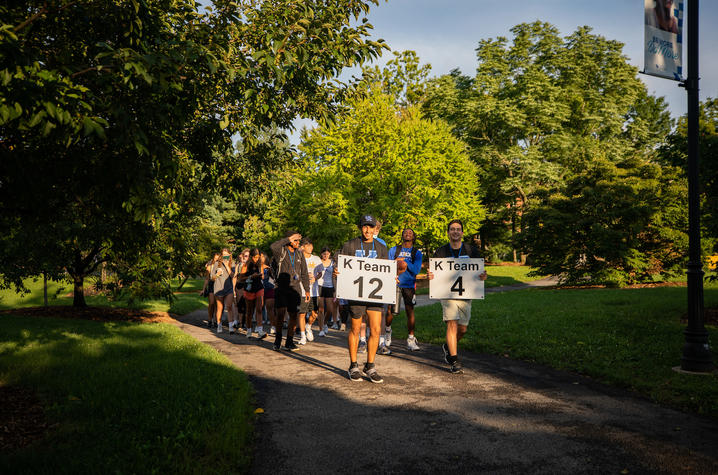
366 279
456 278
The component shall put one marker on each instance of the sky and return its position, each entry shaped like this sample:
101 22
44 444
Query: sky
445 34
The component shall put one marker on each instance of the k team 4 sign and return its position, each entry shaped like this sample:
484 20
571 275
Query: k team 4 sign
366 279
456 278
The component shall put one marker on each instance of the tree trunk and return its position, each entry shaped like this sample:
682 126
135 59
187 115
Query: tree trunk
182 283
44 287
78 293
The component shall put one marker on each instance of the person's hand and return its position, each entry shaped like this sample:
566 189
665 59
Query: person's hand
219 272
200 292
295 237
335 272
483 275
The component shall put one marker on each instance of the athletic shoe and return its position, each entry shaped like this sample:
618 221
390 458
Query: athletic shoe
362 346
302 341
309 334
387 336
231 328
219 328
445 347
249 333
322 333
276 347
325 329
261 334
335 326
372 374
272 330
212 324
343 327
456 368
354 373
412 344
290 346
382 341
384 350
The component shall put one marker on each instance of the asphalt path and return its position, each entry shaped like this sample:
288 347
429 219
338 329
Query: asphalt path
500 416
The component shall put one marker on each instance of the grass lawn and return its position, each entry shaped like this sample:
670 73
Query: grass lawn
125 398
186 300
625 337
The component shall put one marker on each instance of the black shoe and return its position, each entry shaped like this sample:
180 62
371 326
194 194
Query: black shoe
445 347
276 347
290 346
372 374
456 368
354 373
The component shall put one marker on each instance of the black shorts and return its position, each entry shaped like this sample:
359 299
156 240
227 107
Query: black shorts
326 292
311 306
287 298
358 309
409 297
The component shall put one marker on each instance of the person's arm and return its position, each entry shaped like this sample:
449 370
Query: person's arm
304 276
243 274
414 267
277 246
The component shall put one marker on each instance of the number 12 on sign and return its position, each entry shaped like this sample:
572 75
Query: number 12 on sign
366 280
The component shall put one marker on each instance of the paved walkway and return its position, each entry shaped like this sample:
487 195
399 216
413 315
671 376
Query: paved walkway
500 416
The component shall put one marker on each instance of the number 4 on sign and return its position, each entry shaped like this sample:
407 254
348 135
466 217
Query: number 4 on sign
458 286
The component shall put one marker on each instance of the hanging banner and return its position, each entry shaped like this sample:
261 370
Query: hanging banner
664 38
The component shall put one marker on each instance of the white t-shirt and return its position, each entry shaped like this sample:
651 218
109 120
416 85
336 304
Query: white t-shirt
312 262
325 278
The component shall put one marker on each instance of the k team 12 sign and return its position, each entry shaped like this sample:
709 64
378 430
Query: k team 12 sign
366 279
456 278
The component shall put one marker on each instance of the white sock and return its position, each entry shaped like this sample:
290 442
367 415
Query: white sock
260 329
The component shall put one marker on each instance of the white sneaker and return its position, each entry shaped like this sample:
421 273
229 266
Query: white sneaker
310 335
272 330
302 341
335 326
249 332
219 328
231 328
382 341
326 329
387 336
260 333
322 333
412 344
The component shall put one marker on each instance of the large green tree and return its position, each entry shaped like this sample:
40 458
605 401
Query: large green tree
539 110
117 117
379 159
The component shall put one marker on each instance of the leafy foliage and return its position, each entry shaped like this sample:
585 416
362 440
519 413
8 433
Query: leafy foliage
382 160
116 118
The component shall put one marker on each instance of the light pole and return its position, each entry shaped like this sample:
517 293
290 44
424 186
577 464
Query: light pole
696 351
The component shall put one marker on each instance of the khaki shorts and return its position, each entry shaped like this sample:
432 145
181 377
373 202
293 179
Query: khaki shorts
457 310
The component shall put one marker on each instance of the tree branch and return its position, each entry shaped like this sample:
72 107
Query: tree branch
41 12
91 68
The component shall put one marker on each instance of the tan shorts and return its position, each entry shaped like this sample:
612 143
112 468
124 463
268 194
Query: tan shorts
457 310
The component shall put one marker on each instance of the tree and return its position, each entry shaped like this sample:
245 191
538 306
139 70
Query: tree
539 111
123 113
383 160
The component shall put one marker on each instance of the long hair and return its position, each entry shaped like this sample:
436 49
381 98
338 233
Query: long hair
254 267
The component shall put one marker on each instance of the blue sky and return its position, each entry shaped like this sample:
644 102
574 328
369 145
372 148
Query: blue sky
445 33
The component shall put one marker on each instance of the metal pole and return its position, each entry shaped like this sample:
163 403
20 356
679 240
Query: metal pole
696 351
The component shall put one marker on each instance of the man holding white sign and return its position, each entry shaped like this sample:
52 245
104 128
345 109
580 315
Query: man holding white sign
456 278
366 278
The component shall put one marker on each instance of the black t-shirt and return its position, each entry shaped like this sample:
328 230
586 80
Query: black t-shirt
358 248
466 250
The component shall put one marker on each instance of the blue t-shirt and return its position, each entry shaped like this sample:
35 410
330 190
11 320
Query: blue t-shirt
407 279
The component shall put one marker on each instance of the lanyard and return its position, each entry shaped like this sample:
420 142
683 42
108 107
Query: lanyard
362 248
460 248
292 256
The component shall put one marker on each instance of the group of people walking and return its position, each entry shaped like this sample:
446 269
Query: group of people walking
256 291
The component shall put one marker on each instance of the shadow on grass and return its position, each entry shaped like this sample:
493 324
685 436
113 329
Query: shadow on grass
126 398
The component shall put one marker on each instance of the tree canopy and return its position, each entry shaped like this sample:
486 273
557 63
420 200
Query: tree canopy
117 118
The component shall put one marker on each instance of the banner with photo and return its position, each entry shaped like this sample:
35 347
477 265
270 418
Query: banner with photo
664 38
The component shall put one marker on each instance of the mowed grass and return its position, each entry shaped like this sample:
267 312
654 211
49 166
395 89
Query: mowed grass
126 398
186 300
625 337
